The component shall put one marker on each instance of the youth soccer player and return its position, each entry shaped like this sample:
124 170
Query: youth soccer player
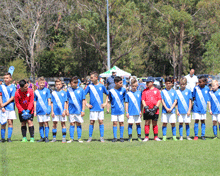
116 97
75 108
201 98
151 100
96 105
133 108
7 104
58 110
169 100
214 106
184 105
24 100
42 108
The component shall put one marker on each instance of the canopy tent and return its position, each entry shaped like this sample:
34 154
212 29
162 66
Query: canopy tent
118 70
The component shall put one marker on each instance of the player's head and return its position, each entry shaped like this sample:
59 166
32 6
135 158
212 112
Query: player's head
58 84
23 85
94 76
215 85
183 82
114 73
134 85
150 81
7 78
41 82
202 81
168 83
118 82
74 82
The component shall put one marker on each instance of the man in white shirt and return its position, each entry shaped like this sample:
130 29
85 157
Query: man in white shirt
192 80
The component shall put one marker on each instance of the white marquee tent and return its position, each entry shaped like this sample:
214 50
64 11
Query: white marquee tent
119 72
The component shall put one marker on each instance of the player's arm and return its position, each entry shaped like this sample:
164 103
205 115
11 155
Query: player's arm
9 101
65 107
126 109
83 107
190 107
17 103
52 112
35 112
174 104
165 106
106 101
210 109
1 100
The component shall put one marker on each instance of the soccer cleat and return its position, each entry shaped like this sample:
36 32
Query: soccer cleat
2 140
46 140
90 139
157 139
53 140
24 139
114 140
41 140
64 140
102 139
195 138
9 140
188 138
121 140
146 139
174 138
130 139
164 138
215 137
107 112
139 139
181 138
80 140
31 139
203 138
71 140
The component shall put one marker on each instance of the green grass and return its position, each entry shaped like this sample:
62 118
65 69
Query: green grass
95 158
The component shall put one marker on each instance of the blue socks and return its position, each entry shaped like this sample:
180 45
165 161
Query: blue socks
46 132
129 130
187 130
91 130
10 132
121 131
64 132
115 131
215 130
72 129
54 131
203 129
181 130
79 131
164 130
101 129
196 129
174 131
3 133
139 129
41 129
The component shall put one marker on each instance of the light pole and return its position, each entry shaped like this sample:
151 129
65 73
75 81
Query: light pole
108 39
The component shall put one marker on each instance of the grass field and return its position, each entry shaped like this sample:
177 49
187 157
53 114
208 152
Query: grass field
95 158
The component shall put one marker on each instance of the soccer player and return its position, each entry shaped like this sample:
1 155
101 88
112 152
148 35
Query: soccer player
75 108
201 98
42 108
24 100
184 105
133 108
169 100
116 97
214 106
96 105
58 109
8 107
151 100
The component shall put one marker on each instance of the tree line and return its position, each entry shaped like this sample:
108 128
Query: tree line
69 37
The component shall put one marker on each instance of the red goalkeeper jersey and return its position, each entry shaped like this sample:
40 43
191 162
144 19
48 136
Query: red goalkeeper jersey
24 100
151 97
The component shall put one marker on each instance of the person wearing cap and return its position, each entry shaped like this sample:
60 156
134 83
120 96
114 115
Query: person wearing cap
151 100
110 85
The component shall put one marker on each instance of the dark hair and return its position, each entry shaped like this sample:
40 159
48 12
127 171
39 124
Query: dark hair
75 78
168 79
8 74
58 80
94 73
22 83
117 79
203 78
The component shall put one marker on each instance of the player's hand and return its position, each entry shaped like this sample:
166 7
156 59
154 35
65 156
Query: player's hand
169 110
146 108
52 114
188 113
127 115
210 112
35 114
140 114
89 106
82 114
64 113
67 113
3 110
177 113
103 105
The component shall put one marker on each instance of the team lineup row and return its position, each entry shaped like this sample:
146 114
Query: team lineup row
60 104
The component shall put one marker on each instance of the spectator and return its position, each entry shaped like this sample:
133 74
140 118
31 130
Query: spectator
141 85
124 81
192 80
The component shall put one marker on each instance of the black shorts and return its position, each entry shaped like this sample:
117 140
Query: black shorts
22 120
149 117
